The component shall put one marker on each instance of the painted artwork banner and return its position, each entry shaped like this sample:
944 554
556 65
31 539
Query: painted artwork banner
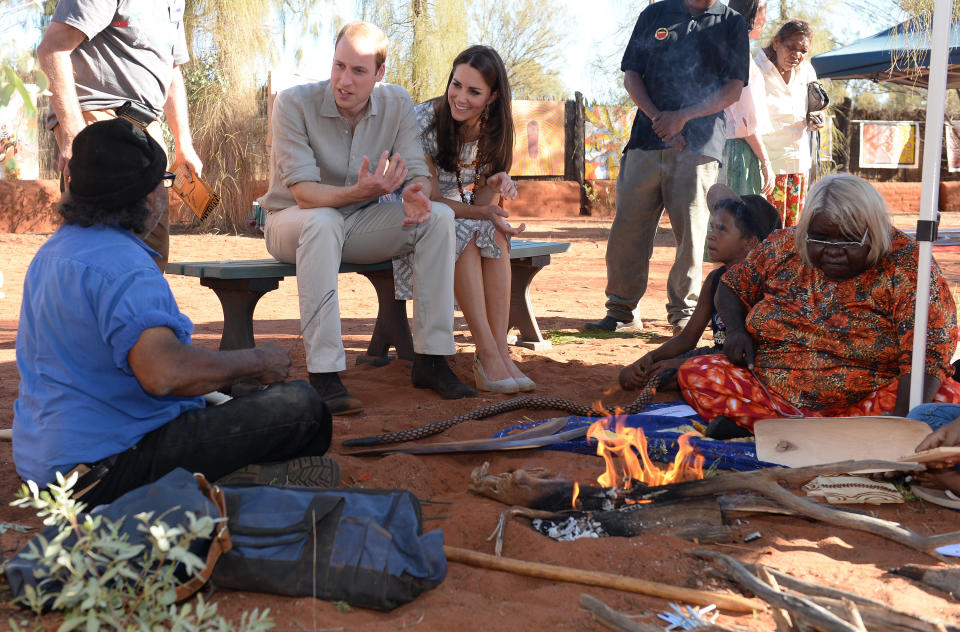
19 144
606 130
951 137
889 144
539 139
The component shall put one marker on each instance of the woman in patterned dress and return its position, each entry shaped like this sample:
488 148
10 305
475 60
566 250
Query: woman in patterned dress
820 321
467 136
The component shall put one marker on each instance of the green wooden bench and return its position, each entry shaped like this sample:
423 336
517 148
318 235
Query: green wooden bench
240 284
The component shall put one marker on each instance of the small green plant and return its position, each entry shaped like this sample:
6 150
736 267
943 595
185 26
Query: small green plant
97 578
559 337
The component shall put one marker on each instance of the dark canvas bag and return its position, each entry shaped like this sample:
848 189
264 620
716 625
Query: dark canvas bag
171 497
365 547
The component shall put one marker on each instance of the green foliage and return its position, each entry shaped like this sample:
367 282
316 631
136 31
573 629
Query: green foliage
530 36
110 583
425 36
230 52
559 337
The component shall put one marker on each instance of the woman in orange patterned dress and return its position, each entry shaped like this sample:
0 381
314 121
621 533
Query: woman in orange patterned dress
820 321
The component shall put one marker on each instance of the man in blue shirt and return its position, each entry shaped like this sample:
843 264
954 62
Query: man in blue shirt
685 62
109 382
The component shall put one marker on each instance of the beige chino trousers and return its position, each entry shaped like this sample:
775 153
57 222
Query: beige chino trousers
319 239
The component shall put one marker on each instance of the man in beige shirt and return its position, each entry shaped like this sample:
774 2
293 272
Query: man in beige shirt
324 208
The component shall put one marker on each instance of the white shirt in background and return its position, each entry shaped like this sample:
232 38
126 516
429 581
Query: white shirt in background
748 115
787 145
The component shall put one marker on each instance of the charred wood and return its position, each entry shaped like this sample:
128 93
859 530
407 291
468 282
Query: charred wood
945 579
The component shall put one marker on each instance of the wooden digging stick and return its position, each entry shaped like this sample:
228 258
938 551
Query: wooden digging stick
765 482
732 603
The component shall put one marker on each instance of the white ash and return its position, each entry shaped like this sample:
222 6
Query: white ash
573 528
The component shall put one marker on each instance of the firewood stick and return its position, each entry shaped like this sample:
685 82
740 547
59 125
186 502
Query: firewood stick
854 614
738 480
876 615
780 615
732 603
876 526
613 619
818 615
811 589
884 618
765 482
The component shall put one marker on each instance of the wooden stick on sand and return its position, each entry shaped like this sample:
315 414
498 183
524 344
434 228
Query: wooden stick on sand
732 603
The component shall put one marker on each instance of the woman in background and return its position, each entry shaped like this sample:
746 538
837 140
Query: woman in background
467 136
786 74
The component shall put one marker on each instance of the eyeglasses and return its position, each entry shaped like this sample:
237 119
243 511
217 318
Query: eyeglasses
168 179
843 245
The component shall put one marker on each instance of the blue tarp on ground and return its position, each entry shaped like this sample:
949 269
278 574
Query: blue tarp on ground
662 433
873 57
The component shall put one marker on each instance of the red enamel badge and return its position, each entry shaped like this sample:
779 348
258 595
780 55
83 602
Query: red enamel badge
661 34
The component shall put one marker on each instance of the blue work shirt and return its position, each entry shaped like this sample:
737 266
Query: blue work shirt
88 295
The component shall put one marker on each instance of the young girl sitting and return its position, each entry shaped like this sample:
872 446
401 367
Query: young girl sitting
736 226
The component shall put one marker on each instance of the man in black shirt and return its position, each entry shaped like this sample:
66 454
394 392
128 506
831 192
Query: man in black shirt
685 62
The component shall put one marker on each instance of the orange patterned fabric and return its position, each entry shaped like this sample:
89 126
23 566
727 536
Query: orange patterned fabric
788 196
713 386
824 344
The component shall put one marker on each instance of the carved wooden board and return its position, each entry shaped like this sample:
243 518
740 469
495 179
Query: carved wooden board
814 441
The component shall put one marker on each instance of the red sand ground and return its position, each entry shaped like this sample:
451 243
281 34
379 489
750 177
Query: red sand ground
565 295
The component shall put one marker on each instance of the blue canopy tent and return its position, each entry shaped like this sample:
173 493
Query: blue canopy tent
884 57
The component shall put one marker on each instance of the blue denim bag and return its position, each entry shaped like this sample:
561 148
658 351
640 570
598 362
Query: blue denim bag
365 547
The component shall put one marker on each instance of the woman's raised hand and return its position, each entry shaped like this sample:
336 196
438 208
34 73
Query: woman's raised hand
416 205
497 216
503 185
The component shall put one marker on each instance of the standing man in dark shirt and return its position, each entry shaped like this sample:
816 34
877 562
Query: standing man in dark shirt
99 54
686 61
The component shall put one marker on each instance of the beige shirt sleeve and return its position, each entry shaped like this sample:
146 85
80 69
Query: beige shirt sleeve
313 143
296 161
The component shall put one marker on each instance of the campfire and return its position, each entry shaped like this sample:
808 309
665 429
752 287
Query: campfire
631 496
624 452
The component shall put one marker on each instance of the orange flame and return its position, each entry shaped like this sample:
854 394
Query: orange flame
576 494
624 452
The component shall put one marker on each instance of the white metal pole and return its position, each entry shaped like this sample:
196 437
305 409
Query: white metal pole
932 150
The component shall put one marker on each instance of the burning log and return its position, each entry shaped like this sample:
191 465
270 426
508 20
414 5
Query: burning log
693 516
765 482
873 615
945 579
732 603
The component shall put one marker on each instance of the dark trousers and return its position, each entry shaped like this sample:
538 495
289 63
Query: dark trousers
281 422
